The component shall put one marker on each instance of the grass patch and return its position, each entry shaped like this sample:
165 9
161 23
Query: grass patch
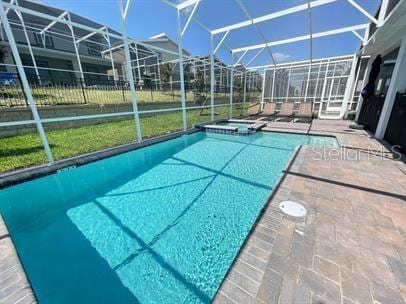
26 150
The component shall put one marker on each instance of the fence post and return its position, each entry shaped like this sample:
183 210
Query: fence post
22 90
122 90
83 90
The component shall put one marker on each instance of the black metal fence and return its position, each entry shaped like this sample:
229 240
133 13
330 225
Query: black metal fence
62 91
71 91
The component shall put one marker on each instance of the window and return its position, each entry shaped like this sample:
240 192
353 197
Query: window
93 49
93 52
49 42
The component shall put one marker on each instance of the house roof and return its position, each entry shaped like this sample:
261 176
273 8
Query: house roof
163 37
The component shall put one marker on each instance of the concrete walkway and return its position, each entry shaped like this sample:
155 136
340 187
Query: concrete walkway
350 248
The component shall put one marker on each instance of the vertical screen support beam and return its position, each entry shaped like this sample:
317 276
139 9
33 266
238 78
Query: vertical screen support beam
307 81
137 58
382 12
288 84
332 85
130 75
355 83
231 86
366 36
263 91
24 81
361 100
323 91
245 89
221 77
181 74
316 87
311 48
250 83
211 77
27 38
159 73
107 38
349 88
75 45
273 84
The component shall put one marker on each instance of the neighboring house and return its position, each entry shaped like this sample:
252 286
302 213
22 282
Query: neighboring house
169 56
54 53
163 41
54 50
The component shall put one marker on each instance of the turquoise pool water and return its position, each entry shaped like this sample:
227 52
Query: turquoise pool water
161 224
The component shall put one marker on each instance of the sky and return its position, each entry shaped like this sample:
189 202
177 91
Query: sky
150 17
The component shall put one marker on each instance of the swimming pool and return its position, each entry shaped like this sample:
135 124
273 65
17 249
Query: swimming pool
161 224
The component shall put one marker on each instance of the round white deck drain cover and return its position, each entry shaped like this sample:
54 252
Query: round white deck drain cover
292 208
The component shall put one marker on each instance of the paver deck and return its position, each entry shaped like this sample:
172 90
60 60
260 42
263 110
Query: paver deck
14 286
350 248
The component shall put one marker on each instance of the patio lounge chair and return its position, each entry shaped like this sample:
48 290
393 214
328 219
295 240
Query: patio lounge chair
305 113
269 111
286 112
254 110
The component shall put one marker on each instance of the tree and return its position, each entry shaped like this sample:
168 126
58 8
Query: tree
147 81
238 90
199 87
166 73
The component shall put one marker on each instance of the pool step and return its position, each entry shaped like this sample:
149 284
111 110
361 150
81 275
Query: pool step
257 126
252 127
330 115
219 127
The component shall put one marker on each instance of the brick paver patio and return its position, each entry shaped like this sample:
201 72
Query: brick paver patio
350 248
14 286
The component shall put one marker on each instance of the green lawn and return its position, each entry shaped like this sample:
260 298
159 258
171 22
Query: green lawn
26 150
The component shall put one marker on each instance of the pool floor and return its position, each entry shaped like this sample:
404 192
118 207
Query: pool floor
161 224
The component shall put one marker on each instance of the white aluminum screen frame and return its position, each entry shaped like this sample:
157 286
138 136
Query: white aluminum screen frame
64 18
